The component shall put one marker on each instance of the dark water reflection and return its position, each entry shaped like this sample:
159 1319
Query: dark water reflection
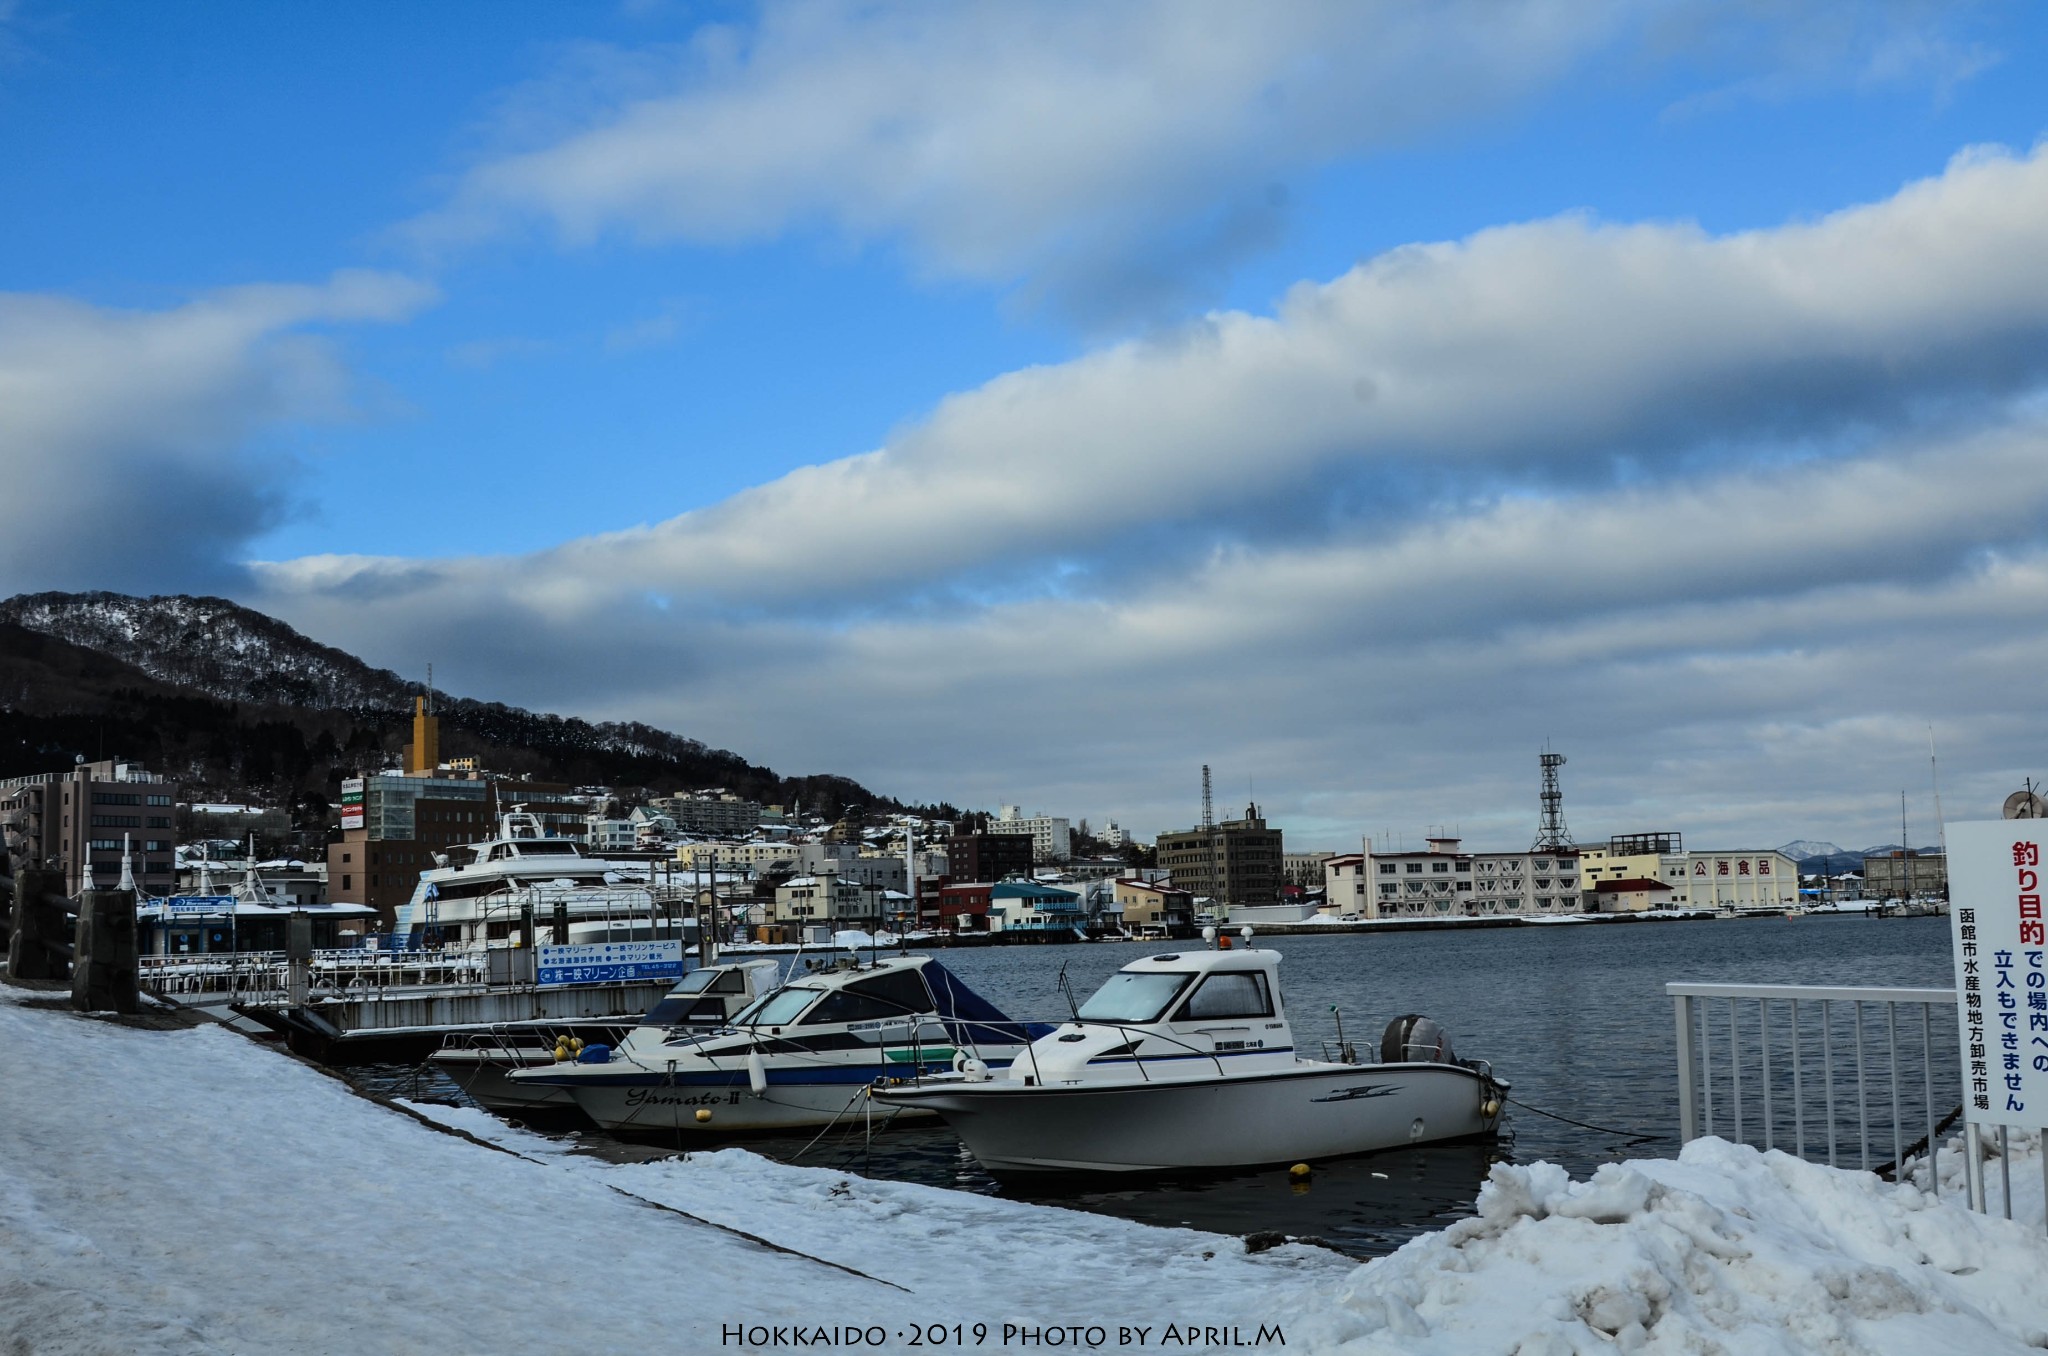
1574 1017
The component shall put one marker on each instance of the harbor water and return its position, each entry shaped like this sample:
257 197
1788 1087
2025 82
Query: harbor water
1575 1017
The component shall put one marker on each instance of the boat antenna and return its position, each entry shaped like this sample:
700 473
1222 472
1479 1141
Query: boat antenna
1067 989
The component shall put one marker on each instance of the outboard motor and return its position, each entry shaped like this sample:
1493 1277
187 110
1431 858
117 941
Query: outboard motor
1415 1039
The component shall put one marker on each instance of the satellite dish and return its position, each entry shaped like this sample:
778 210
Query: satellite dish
2026 805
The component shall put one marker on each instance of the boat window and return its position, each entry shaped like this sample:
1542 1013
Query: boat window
1129 997
546 847
697 981
895 994
777 1009
1229 994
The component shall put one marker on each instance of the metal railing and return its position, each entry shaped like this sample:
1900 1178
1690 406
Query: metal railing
345 971
1840 1070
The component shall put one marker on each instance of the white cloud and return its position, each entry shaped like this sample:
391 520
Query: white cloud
1523 359
1114 157
1077 145
128 436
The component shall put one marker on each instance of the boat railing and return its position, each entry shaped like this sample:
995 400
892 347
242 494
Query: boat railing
1839 1074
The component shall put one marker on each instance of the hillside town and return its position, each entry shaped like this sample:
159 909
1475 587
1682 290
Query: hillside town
776 874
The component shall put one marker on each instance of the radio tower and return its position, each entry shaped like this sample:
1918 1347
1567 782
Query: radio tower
1208 806
1552 835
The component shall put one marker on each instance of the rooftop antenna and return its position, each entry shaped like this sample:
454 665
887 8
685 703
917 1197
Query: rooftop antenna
1551 834
1208 804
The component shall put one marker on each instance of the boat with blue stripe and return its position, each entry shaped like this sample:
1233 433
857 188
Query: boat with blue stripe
803 1056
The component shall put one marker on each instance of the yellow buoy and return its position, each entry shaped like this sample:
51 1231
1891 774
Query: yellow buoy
575 1042
703 1114
1299 1172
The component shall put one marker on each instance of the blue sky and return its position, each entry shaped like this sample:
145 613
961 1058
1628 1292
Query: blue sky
502 336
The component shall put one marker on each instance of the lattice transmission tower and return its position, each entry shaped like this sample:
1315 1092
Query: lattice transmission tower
1551 834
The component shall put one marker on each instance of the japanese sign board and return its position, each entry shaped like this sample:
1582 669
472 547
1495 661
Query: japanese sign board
200 904
1995 873
603 962
352 803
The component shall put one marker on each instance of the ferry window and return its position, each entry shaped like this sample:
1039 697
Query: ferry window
1240 994
1127 997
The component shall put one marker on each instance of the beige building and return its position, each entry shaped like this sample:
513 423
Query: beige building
820 899
1754 878
1153 907
1442 880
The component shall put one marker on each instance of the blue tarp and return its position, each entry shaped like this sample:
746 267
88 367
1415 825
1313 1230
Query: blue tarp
973 1019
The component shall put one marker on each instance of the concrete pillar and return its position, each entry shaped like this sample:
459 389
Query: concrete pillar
103 969
39 921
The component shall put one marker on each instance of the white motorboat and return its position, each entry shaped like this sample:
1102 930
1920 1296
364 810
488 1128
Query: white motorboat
1185 1061
481 1062
803 1056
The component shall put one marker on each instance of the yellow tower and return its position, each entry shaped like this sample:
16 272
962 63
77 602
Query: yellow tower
423 755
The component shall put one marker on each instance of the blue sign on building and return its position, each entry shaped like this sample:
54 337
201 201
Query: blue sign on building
200 904
606 962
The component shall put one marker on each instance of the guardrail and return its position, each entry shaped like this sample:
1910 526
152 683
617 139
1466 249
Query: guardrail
1834 1071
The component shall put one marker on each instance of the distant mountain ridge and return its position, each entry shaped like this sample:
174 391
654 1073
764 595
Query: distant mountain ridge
203 680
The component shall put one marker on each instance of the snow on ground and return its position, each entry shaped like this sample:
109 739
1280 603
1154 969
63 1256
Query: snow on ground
191 1191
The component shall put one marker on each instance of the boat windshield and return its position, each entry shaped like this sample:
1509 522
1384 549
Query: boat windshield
1129 997
777 1009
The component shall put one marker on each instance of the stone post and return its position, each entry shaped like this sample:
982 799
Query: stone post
103 968
39 921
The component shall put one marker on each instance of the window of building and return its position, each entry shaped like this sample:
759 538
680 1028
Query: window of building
1414 868
347 882
1465 867
1441 868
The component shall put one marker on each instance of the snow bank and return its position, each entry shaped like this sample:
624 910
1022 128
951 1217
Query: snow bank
1728 1249
191 1191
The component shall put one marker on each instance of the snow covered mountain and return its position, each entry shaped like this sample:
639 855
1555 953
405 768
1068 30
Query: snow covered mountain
229 652
275 684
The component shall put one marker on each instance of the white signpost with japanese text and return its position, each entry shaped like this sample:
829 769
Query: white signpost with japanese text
2001 956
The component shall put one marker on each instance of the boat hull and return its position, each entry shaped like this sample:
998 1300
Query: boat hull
1208 1124
670 1108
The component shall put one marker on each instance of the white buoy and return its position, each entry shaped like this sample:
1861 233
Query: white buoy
757 1072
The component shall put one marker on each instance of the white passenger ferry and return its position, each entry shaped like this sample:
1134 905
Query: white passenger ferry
488 894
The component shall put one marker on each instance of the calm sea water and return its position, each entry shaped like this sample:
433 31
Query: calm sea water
1574 1017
